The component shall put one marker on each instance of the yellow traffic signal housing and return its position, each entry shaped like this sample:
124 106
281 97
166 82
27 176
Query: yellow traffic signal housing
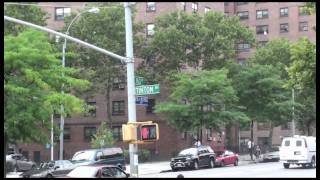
129 132
140 132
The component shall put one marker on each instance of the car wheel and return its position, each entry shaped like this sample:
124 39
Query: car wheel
313 163
236 163
286 165
196 165
211 163
49 176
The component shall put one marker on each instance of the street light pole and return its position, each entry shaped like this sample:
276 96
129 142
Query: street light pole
51 137
92 10
293 123
133 148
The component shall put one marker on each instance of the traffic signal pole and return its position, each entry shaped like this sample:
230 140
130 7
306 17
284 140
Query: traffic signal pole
133 148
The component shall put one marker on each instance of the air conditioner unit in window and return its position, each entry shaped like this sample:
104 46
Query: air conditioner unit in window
121 86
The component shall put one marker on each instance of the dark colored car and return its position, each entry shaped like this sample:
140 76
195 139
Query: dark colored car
50 169
18 163
98 171
112 156
226 158
194 158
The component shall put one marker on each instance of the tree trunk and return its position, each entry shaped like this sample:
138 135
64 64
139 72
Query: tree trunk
5 153
270 135
109 117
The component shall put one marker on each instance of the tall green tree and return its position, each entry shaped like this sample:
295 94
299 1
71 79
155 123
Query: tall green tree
103 137
302 70
201 42
202 99
105 29
29 13
260 89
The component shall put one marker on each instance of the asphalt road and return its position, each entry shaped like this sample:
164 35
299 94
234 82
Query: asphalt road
271 169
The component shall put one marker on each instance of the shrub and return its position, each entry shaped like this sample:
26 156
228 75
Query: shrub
143 155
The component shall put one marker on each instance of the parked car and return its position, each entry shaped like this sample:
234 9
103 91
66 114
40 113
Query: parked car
227 157
300 150
113 156
50 169
18 163
194 158
98 171
271 155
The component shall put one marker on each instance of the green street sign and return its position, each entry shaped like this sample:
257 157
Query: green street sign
139 81
148 89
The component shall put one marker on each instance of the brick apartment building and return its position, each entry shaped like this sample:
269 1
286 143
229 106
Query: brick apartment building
260 16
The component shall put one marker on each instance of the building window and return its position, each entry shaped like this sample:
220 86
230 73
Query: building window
66 134
243 15
261 44
209 134
151 104
261 14
243 47
36 157
184 6
62 12
118 83
117 107
194 7
206 9
117 133
93 109
286 126
150 29
303 26
284 28
241 3
284 12
151 6
241 60
89 132
226 3
302 11
263 126
263 29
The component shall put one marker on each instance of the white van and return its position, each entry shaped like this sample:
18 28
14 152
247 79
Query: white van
300 150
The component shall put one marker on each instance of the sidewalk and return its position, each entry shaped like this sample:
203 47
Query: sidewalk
157 167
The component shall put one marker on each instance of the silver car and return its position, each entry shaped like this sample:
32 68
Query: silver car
18 163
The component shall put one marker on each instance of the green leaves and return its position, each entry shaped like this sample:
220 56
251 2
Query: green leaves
32 83
204 98
103 137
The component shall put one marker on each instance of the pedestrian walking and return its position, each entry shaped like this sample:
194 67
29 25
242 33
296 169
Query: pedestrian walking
257 151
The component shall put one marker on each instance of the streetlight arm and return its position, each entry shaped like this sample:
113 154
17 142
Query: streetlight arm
123 59
67 32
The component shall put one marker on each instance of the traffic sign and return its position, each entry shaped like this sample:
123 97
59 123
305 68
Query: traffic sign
142 100
48 146
139 81
148 89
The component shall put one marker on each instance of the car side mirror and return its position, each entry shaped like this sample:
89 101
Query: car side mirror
56 167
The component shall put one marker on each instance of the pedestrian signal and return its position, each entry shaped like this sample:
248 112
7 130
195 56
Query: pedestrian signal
149 132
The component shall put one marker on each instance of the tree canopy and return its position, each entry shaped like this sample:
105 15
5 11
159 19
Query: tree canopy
103 137
202 99
32 87
32 14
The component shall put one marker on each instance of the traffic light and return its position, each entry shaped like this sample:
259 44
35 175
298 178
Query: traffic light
140 132
149 132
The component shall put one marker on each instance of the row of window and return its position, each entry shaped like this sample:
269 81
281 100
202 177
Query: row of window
118 108
261 126
89 132
262 14
151 7
264 29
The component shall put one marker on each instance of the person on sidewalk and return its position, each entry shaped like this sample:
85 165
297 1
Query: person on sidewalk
257 152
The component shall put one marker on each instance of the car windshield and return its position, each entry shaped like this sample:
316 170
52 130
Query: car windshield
191 151
84 156
84 171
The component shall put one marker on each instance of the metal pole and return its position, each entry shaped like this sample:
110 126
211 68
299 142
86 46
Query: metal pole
133 148
293 123
251 149
123 59
62 107
51 137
